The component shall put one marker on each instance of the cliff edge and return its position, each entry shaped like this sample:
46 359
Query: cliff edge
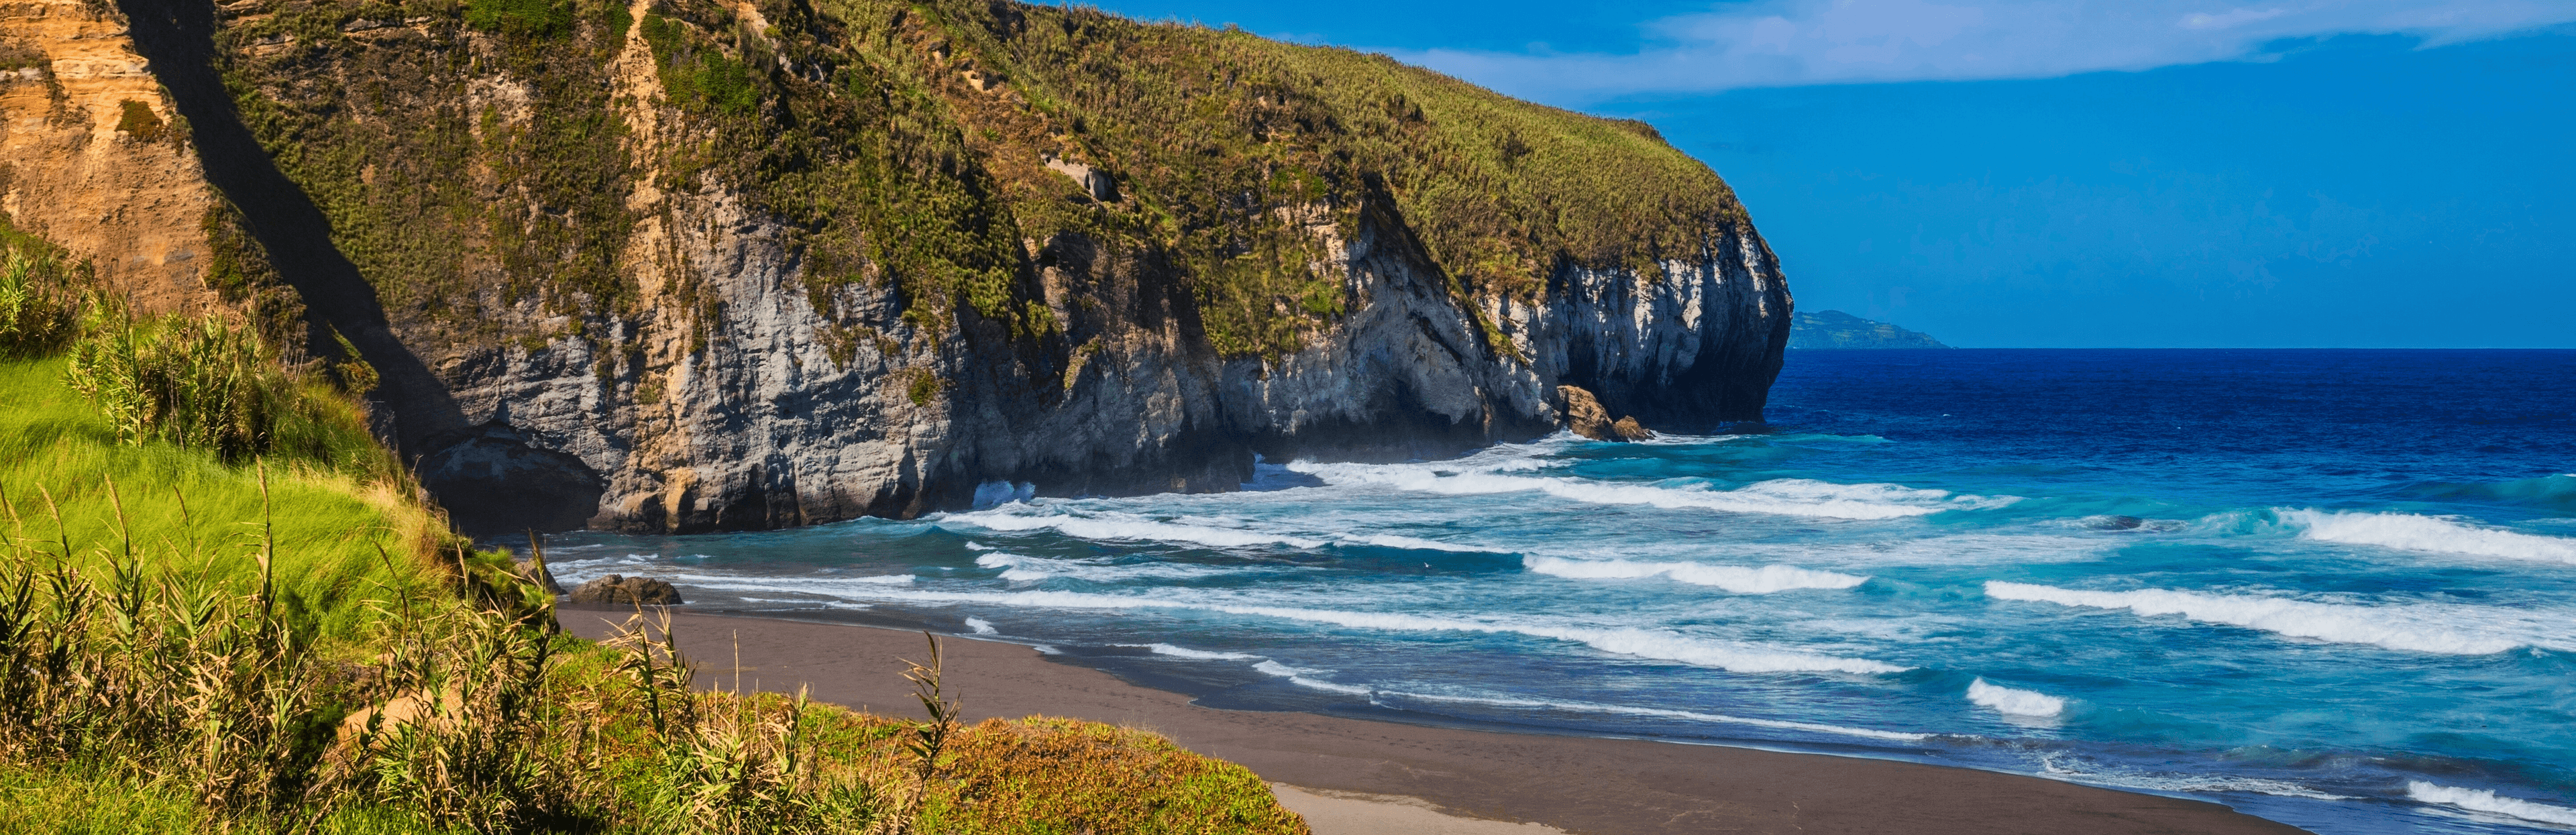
686 265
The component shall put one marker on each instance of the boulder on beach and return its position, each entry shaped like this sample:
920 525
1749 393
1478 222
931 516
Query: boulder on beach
627 591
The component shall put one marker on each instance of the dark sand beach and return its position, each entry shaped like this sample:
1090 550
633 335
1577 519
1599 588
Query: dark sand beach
1577 784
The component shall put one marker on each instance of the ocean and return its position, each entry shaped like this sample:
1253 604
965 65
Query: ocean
2335 588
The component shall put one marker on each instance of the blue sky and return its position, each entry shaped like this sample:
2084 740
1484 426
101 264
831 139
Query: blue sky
2370 173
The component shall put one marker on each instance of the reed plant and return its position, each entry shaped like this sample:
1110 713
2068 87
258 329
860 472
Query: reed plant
732 763
202 687
217 692
36 300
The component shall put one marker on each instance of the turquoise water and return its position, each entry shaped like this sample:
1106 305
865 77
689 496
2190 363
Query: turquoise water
2333 588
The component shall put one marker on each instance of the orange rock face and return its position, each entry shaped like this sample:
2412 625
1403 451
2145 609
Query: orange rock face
90 158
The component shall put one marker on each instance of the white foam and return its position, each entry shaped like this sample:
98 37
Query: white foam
2196 783
1393 541
1793 497
2410 532
1862 557
2418 628
595 566
1590 707
1737 579
1021 569
2015 702
883 579
981 626
2482 800
1124 526
1298 677
1193 654
1659 645
973 545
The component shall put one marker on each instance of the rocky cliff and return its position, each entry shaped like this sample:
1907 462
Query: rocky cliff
688 265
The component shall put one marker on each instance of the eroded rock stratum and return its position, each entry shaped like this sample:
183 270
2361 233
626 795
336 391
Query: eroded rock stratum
685 265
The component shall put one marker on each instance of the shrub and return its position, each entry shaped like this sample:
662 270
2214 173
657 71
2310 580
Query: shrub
201 383
526 18
35 304
140 122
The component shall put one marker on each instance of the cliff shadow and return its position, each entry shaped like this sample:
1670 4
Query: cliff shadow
177 37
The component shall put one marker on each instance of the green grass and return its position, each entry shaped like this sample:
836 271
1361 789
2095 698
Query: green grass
36 801
67 802
328 525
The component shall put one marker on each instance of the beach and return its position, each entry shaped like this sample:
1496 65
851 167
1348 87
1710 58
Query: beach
1500 782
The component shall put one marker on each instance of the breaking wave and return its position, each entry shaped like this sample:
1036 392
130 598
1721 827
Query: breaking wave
2195 783
2410 532
1415 543
1788 496
1020 569
2013 702
2417 628
981 626
1659 645
1193 654
1737 579
1126 526
2482 800
1590 707
1298 677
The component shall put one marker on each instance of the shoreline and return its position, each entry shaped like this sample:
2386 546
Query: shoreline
1578 784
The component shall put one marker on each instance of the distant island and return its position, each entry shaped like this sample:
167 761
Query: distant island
1836 329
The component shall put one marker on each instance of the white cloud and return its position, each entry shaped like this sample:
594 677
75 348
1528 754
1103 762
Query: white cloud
1773 43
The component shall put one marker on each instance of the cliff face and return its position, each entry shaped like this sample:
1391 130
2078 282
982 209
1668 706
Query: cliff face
89 158
679 266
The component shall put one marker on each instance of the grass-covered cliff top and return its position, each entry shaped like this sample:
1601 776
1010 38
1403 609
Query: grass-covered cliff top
910 142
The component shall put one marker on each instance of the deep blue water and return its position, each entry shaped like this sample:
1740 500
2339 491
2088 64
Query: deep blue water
2334 588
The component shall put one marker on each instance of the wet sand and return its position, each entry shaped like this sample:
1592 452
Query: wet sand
1579 785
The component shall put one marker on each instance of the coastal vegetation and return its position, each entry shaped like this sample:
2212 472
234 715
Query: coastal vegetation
482 154
225 607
